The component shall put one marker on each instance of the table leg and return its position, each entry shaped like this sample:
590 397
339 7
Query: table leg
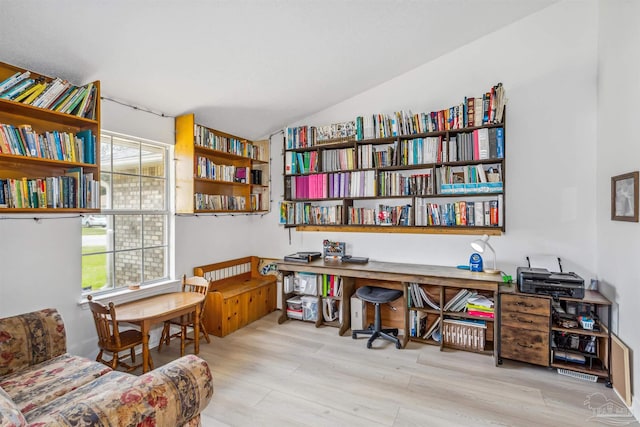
196 331
144 328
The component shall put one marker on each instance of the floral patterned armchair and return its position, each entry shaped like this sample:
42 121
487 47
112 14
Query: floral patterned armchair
42 385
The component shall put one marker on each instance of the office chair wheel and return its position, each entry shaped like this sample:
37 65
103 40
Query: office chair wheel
394 333
368 344
398 345
354 336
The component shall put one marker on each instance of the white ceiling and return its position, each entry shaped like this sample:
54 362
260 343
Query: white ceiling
247 67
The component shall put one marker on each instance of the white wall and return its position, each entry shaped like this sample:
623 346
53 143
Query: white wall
618 152
40 262
547 63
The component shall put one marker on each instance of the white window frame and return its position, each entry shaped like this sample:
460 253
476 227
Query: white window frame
123 294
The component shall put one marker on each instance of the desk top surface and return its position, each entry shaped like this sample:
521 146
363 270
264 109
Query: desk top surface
159 305
390 271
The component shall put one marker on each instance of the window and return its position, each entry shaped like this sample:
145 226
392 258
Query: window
128 243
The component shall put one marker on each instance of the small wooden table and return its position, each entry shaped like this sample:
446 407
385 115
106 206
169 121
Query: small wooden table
148 311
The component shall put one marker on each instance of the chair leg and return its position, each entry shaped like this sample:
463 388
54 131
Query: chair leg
164 337
183 338
99 357
114 361
133 356
204 331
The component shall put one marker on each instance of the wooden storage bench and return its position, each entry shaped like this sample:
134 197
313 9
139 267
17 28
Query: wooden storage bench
238 294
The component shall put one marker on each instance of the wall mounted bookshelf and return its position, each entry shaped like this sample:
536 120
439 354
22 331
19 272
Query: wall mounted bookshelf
438 182
217 172
49 155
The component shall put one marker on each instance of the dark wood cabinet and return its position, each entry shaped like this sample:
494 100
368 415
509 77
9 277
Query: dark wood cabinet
524 328
540 330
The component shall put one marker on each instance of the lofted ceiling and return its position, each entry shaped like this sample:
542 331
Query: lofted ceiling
247 67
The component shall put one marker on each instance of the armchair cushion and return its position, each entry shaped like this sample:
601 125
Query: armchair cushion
31 338
10 414
172 394
49 380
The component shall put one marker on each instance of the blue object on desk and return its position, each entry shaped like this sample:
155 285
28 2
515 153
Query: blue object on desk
475 262
463 267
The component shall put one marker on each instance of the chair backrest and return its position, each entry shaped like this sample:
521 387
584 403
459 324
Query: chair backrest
196 284
106 324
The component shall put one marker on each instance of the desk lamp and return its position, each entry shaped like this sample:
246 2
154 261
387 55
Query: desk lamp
480 245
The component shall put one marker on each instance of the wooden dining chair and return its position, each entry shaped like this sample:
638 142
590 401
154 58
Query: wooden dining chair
111 339
192 284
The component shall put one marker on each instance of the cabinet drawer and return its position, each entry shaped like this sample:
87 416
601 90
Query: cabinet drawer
525 304
524 321
524 345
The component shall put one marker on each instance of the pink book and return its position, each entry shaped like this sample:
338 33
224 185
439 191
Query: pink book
476 146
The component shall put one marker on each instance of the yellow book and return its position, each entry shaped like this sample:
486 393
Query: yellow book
39 88
72 146
26 93
67 99
83 103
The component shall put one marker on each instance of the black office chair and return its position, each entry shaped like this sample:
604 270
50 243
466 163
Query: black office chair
377 296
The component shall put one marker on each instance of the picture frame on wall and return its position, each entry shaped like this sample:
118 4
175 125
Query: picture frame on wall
624 197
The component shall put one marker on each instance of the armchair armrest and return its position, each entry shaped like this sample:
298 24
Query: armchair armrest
171 395
31 338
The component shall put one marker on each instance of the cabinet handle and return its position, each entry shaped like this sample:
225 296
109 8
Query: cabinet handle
520 319
525 345
524 304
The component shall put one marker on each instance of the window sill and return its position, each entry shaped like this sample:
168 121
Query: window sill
122 296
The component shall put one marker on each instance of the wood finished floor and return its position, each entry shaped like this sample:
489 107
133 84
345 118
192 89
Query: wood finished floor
295 374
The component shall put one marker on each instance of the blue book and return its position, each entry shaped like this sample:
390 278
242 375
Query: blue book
500 142
17 89
88 141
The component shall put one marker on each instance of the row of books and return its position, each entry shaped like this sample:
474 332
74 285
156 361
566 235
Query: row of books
420 151
56 94
330 285
470 174
476 213
309 136
471 112
339 160
464 300
219 202
74 190
206 168
461 213
305 213
418 297
205 137
23 141
398 184
331 185
301 163
400 215
472 179
259 202
395 215
376 156
480 144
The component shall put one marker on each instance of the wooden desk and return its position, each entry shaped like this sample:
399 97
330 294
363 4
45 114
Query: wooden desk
148 311
399 275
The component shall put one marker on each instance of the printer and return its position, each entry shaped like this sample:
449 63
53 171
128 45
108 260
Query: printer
543 282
